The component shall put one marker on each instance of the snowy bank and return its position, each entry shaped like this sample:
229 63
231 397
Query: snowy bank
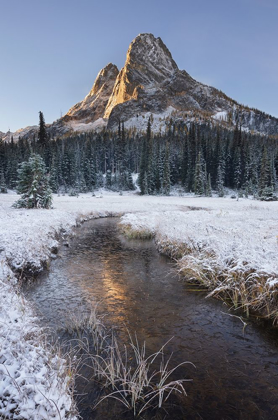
224 236
34 383
229 246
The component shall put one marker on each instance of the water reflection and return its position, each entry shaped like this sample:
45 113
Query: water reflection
236 374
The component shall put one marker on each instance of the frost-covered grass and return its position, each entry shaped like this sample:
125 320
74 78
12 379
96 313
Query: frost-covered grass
231 249
130 376
140 233
124 373
34 381
230 246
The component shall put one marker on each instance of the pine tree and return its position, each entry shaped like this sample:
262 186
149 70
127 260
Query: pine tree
265 178
237 169
208 190
199 176
130 184
144 189
220 181
53 176
33 184
3 186
146 175
166 183
42 135
108 179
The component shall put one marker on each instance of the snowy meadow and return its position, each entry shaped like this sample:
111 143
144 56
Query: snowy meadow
228 246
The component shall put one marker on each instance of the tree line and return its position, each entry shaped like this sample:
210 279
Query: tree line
198 158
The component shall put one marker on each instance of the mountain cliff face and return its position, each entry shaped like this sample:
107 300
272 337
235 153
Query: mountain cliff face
148 65
94 104
151 84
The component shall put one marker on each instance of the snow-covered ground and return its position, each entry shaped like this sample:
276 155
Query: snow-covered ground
241 235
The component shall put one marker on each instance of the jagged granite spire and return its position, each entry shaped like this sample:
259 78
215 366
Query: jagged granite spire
151 83
148 64
94 104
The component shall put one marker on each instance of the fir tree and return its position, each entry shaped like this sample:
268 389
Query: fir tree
42 135
108 179
199 177
208 190
53 178
265 178
33 184
130 184
220 181
3 186
166 184
146 169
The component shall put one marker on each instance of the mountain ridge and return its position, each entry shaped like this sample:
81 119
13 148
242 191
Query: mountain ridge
150 83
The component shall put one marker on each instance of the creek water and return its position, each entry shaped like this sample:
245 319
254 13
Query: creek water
236 371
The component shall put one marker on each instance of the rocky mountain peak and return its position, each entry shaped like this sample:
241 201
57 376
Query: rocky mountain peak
151 57
105 76
150 83
148 64
94 104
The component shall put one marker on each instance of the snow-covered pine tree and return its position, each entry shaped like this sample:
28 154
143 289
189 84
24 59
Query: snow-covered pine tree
33 184
99 180
151 175
144 189
130 184
146 170
220 181
108 179
265 178
208 190
199 187
267 181
237 169
142 180
3 186
166 183
53 177
93 176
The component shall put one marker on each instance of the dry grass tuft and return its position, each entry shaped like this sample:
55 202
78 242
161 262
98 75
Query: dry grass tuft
130 377
127 375
136 233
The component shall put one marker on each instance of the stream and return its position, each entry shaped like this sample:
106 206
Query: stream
236 370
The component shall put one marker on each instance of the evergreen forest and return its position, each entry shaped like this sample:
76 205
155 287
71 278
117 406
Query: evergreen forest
199 158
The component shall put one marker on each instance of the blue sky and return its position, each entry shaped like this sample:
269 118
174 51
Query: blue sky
52 50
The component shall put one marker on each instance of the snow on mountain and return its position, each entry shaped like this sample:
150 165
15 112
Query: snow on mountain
30 130
85 127
151 83
221 115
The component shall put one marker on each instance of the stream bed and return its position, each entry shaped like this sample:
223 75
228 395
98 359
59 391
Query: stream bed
236 370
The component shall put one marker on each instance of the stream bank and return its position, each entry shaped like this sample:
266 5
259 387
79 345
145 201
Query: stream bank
138 289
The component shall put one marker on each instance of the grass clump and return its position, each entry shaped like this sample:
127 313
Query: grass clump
131 378
231 279
136 232
242 286
122 373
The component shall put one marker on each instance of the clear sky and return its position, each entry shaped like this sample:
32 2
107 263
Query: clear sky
52 50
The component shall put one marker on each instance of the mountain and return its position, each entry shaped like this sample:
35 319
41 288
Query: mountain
94 105
22 132
151 85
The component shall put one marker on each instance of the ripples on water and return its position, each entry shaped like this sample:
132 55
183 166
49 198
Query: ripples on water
236 375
